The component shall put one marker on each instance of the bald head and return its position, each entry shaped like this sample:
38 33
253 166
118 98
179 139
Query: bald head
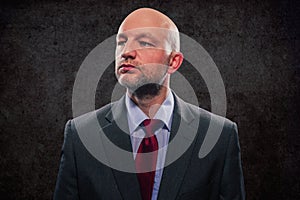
150 18
147 17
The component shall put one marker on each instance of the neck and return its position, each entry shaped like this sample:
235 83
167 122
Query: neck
149 102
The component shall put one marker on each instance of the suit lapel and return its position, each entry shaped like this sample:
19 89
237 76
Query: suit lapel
118 132
181 129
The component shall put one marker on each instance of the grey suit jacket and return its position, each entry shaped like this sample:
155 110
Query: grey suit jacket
216 176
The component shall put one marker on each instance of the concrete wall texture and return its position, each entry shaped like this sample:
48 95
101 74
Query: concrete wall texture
255 45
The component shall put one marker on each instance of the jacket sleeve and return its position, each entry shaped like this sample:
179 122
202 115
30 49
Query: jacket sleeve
232 186
66 184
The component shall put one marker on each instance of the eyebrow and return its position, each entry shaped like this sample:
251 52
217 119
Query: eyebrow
139 36
145 35
121 35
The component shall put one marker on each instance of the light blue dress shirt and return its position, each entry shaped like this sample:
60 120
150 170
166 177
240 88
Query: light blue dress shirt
135 117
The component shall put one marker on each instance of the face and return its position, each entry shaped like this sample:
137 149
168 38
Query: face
142 57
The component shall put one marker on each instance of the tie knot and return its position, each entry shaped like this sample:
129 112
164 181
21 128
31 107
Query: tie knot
151 125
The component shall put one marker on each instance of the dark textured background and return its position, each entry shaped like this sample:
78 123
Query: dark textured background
255 45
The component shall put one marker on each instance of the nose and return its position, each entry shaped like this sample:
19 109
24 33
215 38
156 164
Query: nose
129 52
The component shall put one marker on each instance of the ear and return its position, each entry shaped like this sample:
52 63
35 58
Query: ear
175 62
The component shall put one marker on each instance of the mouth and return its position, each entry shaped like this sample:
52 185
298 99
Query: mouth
124 68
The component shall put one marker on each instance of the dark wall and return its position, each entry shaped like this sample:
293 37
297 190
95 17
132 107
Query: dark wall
254 44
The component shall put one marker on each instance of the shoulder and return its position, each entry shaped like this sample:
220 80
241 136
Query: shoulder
93 117
204 115
216 132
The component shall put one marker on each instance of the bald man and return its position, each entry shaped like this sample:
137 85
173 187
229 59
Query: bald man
160 134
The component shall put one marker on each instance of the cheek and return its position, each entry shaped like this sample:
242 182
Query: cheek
154 56
117 53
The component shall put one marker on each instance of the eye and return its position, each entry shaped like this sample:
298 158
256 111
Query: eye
145 44
121 43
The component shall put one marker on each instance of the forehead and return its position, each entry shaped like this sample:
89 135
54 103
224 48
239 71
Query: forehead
147 32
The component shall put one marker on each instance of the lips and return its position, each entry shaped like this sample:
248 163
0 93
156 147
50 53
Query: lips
125 68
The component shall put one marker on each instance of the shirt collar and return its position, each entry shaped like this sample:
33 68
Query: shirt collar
136 116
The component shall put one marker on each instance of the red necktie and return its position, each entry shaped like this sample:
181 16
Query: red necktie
147 162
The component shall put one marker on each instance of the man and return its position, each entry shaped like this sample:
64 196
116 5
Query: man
147 53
